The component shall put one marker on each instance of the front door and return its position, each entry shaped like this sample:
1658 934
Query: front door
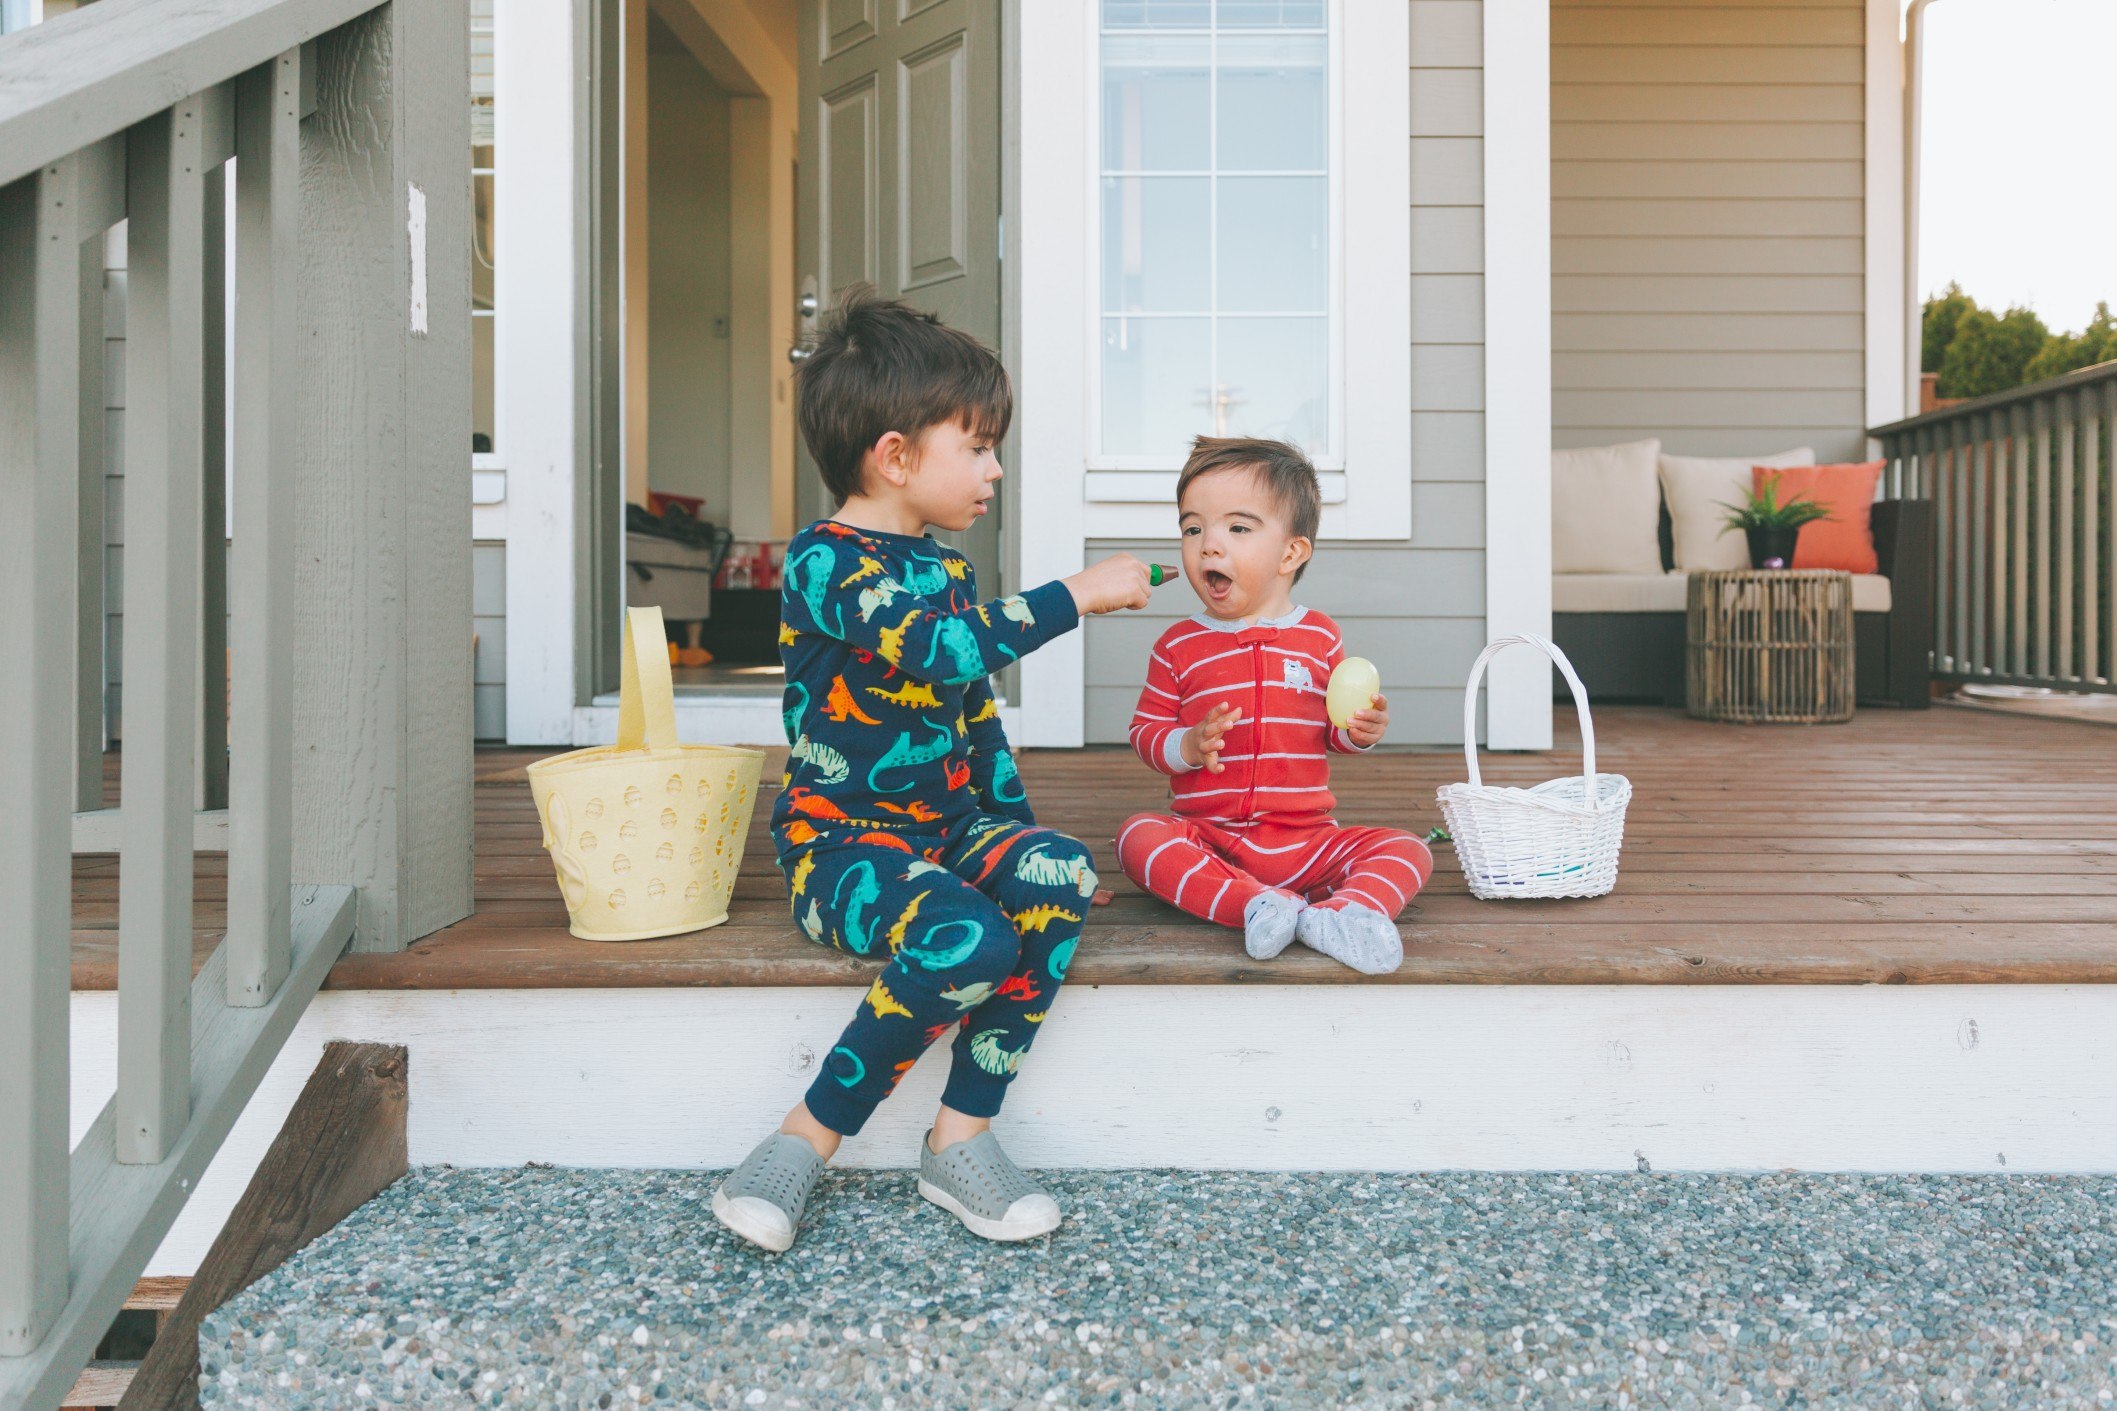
900 178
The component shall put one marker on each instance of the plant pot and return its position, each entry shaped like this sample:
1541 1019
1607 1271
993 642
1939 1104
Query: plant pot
1768 544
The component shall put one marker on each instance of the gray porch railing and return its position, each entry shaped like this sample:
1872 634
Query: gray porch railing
2024 490
130 110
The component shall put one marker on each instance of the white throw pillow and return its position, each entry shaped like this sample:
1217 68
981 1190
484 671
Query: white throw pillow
1698 490
1605 509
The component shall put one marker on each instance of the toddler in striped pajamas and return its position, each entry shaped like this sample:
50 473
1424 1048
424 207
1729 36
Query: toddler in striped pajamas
1233 712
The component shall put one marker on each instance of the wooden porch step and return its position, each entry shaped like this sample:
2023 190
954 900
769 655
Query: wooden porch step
106 1380
1927 848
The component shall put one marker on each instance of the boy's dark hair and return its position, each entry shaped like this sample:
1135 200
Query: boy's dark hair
1285 471
880 365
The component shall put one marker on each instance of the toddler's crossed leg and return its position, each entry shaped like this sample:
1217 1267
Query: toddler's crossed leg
1185 865
1381 869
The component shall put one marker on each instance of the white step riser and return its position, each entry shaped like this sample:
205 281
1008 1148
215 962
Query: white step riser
1941 1078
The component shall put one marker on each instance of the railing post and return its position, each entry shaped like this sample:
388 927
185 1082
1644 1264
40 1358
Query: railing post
2094 523
211 790
382 780
261 588
90 671
164 460
40 292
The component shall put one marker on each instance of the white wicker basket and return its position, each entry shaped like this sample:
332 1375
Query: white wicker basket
1558 839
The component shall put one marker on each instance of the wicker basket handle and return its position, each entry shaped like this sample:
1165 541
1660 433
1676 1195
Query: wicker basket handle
1580 706
646 699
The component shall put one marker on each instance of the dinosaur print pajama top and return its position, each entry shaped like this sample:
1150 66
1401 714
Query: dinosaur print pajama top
902 826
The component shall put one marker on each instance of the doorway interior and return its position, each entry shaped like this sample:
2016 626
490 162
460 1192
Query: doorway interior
706 238
774 153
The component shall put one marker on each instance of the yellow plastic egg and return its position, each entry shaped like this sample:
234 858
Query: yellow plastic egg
1353 687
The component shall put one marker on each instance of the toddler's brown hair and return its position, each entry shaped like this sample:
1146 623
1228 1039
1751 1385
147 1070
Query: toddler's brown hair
1287 474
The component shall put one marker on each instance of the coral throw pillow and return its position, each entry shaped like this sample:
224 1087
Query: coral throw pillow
1846 539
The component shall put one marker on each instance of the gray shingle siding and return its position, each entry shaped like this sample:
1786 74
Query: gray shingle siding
1707 218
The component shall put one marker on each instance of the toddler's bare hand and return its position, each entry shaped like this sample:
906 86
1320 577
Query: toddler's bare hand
1119 581
1202 742
1367 727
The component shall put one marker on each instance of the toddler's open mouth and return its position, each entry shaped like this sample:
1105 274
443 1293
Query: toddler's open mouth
1218 584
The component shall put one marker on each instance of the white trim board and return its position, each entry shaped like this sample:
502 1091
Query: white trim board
534 90
1891 375
1517 76
1055 58
1989 1078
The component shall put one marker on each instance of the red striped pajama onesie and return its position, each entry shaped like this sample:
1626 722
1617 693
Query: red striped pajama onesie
1264 821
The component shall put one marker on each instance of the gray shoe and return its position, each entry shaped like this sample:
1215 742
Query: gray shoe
975 1182
762 1199
1268 923
1353 935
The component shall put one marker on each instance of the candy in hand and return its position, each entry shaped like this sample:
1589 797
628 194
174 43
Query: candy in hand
1353 688
1160 573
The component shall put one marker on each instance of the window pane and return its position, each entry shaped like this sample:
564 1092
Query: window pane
1155 103
1154 244
1272 114
1275 375
1274 243
1216 224
1271 14
1155 377
1157 14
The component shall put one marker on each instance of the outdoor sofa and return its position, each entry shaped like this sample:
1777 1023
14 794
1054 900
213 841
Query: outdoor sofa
1624 631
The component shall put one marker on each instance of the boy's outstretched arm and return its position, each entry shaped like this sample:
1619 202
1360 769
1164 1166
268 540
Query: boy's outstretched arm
993 775
829 590
835 590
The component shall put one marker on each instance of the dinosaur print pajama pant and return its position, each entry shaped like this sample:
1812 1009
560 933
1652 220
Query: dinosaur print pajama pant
979 925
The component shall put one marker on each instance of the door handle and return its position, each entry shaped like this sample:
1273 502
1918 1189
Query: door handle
798 355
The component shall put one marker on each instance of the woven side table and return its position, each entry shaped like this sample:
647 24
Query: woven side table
1770 646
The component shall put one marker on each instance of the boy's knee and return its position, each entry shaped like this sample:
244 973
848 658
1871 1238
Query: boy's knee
1056 862
977 945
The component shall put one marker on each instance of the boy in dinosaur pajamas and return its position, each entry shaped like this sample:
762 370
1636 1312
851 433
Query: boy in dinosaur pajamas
902 825
1233 712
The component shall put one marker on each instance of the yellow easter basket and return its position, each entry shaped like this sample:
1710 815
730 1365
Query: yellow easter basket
647 834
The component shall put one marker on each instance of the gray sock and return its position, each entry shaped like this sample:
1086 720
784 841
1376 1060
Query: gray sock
1268 923
1354 935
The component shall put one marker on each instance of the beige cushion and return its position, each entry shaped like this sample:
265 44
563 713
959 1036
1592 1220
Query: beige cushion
1698 490
1667 592
1605 509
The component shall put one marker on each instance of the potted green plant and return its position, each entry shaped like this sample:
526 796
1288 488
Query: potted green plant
1771 526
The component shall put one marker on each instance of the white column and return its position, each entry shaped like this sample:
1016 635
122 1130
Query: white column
1892 378
1517 78
533 109
1050 425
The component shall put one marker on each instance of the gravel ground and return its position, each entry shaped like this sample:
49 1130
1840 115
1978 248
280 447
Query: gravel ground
540 1287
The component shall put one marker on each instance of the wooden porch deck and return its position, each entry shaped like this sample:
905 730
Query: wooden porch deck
1939 847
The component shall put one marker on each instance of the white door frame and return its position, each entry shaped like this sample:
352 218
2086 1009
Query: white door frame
534 194
1517 79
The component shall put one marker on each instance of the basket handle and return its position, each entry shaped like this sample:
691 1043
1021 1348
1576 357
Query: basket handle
646 700
1580 706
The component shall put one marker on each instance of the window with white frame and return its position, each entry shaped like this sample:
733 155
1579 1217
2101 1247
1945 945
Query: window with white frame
484 421
1220 264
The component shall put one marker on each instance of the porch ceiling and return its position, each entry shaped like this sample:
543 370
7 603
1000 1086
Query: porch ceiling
1937 847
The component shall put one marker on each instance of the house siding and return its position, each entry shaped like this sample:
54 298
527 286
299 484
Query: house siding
1417 608
1707 225
488 559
